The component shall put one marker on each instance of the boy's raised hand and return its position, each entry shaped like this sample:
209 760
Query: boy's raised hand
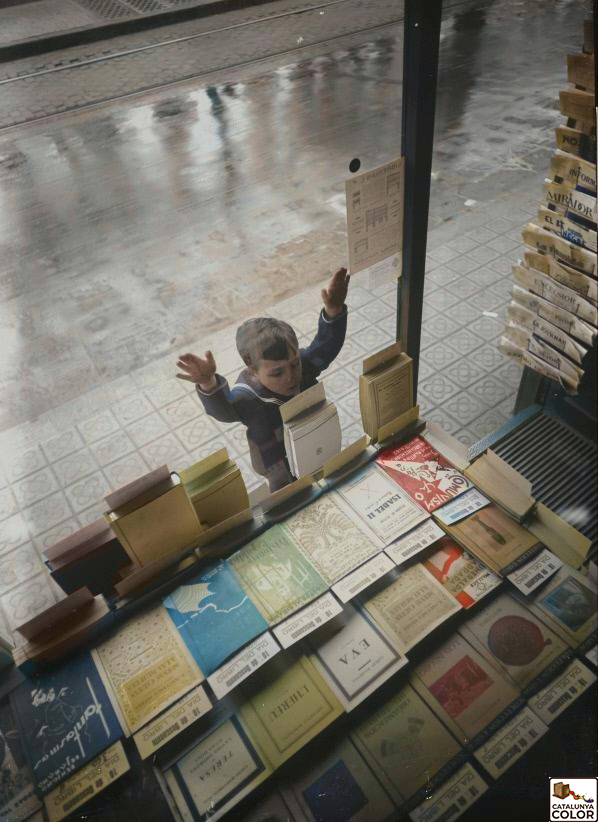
335 295
198 371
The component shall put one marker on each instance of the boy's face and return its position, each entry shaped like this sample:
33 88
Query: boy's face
281 376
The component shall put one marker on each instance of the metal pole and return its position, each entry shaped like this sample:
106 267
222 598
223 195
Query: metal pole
420 69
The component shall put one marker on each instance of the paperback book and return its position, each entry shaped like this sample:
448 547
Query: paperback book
385 510
216 772
331 538
214 616
512 638
410 606
462 575
17 797
423 473
354 656
278 578
567 604
465 690
66 720
145 667
339 785
494 538
405 744
286 704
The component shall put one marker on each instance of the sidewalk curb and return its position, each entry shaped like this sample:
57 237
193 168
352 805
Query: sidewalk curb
94 34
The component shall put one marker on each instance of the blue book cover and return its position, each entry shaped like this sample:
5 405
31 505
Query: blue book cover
66 719
214 616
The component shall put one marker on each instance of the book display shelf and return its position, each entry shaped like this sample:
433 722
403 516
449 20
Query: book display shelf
406 631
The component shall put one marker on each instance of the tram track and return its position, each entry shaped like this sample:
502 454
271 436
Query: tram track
78 81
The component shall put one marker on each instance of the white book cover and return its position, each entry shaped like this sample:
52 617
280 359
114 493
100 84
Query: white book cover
354 656
385 510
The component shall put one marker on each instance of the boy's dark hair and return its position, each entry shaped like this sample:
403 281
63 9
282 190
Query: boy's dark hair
265 338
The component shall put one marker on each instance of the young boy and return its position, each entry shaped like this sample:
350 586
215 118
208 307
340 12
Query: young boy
276 370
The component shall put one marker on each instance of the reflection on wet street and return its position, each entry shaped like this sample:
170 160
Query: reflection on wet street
152 224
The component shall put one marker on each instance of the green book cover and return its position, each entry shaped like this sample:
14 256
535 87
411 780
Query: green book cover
276 575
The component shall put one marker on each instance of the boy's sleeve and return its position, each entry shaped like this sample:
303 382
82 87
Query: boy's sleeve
328 342
218 402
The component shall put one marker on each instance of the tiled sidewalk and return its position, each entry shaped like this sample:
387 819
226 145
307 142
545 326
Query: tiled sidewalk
56 470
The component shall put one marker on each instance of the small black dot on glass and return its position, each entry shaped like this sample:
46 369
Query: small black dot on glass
354 165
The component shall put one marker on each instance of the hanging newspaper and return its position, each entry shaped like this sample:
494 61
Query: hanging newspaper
375 216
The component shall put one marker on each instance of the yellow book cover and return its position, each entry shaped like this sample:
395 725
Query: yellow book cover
286 704
165 524
145 667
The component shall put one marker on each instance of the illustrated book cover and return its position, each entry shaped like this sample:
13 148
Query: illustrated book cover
66 720
567 603
276 575
462 575
465 690
513 638
214 616
423 473
404 743
339 785
330 538
17 797
493 537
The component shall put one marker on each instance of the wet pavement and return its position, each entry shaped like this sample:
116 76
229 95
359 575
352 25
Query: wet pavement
153 223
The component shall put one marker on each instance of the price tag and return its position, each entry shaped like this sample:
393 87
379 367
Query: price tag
415 541
358 580
462 507
307 620
452 798
510 742
592 656
533 573
165 727
89 781
239 667
551 701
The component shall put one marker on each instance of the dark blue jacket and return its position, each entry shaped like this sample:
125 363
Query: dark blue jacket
259 409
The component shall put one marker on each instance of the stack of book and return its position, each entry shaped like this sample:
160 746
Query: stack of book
92 556
216 488
61 628
312 431
553 315
152 517
385 388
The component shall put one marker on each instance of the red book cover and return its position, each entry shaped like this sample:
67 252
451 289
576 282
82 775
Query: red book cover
423 473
